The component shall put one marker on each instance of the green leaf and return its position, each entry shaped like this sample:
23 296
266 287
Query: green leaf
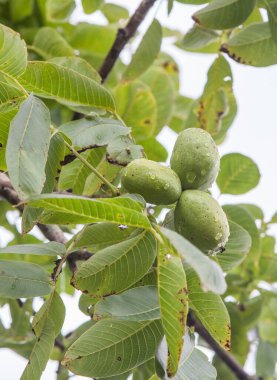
146 53
127 344
86 133
94 40
98 236
3 165
173 299
210 273
59 10
162 88
196 366
53 310
181 112
266 359
154 150
19 10
50 249
194 2
252 46
238 174
22 280
91 6
78 65
77 177
27 147
245 316
268 321
10 94
241 216
13 52
114 12
211 110
223 371
40 354
210 310
170 4
137 304
137 106
48 43
46 324
255 211
273 219
53 165
5 120
267 268
224 14
271 6
73 209
117 267
199 39
122 150
236 249
50 80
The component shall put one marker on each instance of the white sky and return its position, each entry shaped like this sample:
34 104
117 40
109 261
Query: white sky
254 133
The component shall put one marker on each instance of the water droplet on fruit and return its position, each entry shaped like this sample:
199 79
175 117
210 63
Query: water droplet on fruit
168 256
191 177
218 236
152 176
77 52
166 186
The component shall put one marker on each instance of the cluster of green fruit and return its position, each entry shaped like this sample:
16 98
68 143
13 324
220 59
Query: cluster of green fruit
194 164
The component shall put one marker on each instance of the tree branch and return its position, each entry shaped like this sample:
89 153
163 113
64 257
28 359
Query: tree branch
123 36
227 358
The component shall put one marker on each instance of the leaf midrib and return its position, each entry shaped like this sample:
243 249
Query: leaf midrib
125 253
23 279
118 341
231 178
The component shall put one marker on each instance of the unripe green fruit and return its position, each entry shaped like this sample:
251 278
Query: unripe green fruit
195 159
200 219
156 183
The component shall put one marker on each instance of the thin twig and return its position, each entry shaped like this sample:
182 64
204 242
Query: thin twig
227 358
114 190
123 36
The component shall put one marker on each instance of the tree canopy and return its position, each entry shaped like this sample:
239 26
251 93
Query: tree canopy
92 210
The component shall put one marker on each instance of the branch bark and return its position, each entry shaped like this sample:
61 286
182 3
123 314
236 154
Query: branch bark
227 358
123 36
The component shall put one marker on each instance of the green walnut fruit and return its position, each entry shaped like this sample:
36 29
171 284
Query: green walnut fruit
200 219
156 183
195 159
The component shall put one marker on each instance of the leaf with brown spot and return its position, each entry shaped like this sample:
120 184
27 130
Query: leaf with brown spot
173 299
254 46
224 14
209 309
136 103
211 110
